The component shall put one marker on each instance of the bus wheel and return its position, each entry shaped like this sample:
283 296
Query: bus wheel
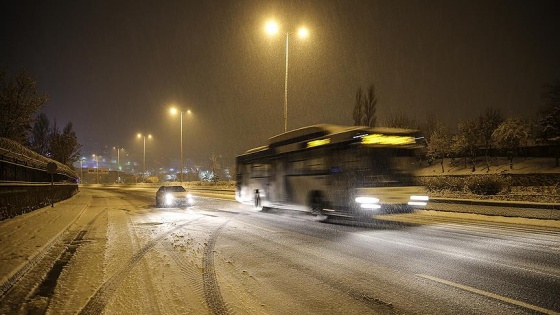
317 204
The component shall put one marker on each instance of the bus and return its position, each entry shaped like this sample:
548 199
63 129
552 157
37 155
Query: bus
333 170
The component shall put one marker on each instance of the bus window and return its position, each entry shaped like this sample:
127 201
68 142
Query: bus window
260 170
316 164
296 167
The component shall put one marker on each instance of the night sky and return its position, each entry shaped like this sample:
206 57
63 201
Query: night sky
113 68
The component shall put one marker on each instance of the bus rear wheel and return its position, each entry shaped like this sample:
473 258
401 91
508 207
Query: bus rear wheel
317 203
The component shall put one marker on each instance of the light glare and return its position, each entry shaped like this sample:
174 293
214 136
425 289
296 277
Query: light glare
271 27
303 32
367 200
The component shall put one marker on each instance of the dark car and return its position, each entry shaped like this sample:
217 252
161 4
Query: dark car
169 196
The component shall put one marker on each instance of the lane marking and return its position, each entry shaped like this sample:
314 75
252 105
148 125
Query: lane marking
489 294
545 273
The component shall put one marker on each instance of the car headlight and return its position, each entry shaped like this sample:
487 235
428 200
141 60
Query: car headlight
168 199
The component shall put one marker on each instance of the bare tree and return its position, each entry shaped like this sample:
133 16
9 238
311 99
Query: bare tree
19 101
510 135
64 147
428 126
467 141
487 123
399 120
358 107
214 166
550 121
365 107
370 106
440 143
40 135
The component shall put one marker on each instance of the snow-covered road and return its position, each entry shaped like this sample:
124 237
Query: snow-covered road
111 251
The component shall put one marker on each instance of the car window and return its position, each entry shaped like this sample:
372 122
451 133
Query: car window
177 189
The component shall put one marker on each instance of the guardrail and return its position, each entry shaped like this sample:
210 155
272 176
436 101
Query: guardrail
20 198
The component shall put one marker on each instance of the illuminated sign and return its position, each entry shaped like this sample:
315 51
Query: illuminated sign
316 143
386 139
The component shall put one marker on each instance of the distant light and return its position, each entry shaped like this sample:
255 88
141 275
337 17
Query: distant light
417 203
420 198
271 27
303 32
173 111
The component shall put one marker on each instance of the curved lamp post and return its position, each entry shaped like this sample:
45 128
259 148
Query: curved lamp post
144 155
174 111
272 28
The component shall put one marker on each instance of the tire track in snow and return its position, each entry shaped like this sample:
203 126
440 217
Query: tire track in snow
33 261
46 288
374 303
99 300
212 292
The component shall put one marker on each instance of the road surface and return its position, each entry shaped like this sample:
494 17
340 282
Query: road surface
112 251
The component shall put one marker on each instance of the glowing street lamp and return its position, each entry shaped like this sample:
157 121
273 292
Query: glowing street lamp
272 28
144 156
174 111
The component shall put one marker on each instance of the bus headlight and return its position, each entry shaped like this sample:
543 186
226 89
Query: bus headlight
370 206
366 200
369 203
416 200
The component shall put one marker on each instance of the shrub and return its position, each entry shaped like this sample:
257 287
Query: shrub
443 183
488 184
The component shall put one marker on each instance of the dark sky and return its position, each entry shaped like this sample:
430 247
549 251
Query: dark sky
113 68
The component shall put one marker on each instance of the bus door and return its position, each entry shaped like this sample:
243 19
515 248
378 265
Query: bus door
337 182
277 181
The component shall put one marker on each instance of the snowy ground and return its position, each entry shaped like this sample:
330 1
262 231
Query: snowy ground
117 254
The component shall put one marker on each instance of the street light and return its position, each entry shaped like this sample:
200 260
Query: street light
81 169
118 163
144 158
272 28
174 111
96 157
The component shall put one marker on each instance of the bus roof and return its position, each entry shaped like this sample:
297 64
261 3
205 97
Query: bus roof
336 133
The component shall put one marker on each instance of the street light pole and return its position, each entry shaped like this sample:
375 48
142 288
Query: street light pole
286 88
81 170
272 28
144 155
174 111
118 164
182 165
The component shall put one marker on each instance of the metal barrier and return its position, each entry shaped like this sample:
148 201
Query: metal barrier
25 184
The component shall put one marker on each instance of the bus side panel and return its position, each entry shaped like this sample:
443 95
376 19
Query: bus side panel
300 188
277 184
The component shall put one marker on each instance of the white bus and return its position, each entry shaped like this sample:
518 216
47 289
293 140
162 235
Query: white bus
334 170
